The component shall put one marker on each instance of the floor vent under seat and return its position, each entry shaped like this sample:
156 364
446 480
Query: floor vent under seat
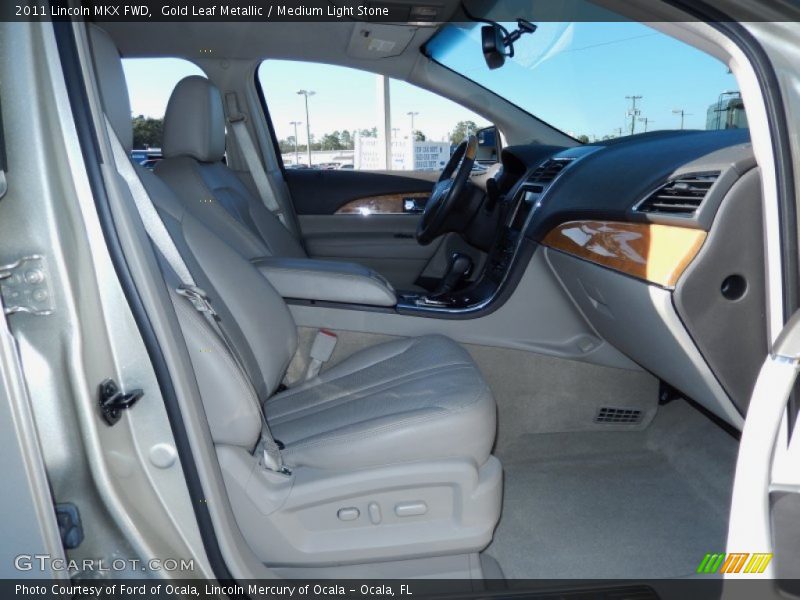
623 416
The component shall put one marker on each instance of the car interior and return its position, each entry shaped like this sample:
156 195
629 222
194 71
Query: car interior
508 372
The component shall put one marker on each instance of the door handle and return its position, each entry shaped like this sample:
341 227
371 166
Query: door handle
413 206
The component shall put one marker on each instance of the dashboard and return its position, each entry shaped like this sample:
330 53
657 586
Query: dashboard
657 239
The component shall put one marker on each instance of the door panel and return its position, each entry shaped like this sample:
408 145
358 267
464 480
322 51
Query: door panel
323 192
367 217
384 243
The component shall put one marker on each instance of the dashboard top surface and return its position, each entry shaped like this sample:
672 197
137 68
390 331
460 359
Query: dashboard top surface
607 180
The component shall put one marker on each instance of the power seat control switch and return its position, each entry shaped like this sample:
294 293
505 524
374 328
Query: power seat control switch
374 510
351 513
410 509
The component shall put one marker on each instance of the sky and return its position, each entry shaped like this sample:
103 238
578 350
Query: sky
348 99
575 76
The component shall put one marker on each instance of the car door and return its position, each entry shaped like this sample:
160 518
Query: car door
765 508
365 217
358 198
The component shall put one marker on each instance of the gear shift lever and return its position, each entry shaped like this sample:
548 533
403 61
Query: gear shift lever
458 269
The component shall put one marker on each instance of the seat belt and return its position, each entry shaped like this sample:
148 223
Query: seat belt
158 234
236 120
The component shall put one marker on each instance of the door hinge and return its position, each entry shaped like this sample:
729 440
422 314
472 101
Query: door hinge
69 525
113 400
24 287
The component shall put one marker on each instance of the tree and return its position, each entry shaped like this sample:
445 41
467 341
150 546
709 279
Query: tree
462 130
147 132
369 132
584 139
419 136
346 139
286 145
331 141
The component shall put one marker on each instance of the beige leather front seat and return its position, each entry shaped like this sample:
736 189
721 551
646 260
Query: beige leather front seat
193 149
389 451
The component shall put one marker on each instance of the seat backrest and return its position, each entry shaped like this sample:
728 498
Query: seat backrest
193 147
252 313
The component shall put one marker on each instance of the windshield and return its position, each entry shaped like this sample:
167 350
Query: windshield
597 81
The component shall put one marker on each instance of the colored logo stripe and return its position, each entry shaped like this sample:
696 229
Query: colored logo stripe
758 564
711 563
736 562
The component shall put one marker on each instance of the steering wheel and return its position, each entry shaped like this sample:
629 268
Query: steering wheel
444 200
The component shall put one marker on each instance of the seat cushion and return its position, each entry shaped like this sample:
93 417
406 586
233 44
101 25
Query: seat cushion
410 399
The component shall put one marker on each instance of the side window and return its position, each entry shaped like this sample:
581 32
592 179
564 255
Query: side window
150 84
344 113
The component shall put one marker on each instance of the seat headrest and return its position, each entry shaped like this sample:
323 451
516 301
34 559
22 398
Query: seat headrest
195 122
112 85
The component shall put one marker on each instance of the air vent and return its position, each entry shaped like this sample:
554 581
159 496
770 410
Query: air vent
623 416
679 197
548 170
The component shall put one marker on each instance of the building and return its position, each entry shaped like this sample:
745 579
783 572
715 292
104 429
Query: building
407 155
368 155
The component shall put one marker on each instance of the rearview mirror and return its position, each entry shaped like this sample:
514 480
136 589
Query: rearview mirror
493 45
488 145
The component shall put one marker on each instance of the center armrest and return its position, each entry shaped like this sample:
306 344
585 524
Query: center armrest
309 279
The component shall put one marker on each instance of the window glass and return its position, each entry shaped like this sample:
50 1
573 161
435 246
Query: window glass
343 111
150 84
600 80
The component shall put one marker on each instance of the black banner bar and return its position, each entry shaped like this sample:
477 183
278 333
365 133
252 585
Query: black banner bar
387 11
702 588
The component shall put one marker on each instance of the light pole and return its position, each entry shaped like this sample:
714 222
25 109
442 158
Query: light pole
682 113
412 114
296 154
645 120
306 94
633 111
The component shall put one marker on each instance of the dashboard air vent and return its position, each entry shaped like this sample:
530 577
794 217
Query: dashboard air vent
548 170
679 197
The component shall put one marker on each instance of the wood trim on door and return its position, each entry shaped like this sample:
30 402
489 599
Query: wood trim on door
386 204
649 251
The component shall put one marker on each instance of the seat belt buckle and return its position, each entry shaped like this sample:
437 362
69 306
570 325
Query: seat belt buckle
270 453
269 462
321 351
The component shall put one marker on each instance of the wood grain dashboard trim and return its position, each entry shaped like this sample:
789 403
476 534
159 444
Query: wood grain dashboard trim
655 253
387 204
